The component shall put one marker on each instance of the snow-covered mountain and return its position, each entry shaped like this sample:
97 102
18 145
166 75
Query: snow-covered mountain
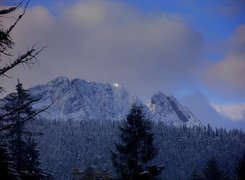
168 109
83 100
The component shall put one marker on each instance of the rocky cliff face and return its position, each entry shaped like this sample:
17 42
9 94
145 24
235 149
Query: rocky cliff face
169 110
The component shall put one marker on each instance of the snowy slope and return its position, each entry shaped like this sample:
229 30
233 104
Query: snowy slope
79 100
168 109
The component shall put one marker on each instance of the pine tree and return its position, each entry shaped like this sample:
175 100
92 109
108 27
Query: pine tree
20 139
136 149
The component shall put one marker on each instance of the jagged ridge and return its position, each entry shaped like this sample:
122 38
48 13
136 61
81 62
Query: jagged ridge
83 100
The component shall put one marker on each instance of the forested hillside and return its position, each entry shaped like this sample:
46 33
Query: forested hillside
69 145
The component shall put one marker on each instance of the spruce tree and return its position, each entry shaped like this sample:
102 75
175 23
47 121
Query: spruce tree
20 139
136 149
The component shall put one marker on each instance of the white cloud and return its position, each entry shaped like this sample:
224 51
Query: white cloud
229 116
234 112
227 75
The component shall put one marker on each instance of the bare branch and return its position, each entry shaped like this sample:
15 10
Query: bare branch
19 18
11 9
23 59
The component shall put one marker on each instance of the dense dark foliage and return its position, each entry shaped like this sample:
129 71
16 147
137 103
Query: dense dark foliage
5 161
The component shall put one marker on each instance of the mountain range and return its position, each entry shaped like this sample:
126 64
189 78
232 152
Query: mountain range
78 99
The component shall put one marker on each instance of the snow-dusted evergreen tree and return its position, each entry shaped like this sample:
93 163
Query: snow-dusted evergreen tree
19 138
136 149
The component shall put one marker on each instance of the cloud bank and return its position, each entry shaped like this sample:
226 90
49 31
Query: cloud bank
235 112
227 75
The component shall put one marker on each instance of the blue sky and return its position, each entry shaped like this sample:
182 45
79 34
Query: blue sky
207 16
187 48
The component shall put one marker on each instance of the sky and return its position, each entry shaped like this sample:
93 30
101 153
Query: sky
192 49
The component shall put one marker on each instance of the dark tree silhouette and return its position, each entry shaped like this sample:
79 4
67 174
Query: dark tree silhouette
240 170
6 171
9 61
20 139
132 156
13 117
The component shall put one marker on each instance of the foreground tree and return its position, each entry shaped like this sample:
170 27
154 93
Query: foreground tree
132 156
6 171
21 150
20 139
8 60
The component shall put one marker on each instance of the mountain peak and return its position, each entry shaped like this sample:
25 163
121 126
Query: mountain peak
158 98
168 109
59 79
79 99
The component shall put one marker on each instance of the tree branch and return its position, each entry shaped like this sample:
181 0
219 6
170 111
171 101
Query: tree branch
20 16
26 119
18 109
11 9
23 59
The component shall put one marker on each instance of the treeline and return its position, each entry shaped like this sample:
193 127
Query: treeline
69 145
